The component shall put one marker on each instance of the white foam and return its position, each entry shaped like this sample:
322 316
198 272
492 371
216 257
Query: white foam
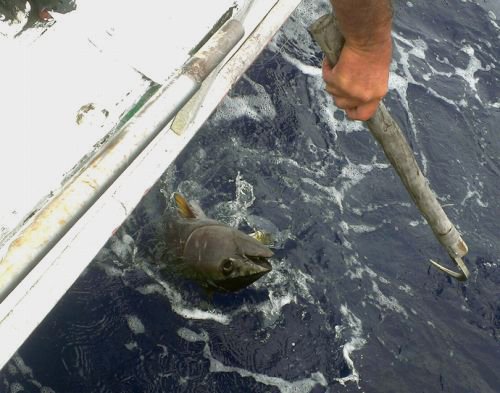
400 83
17 365
131 346
414 223
351 261
383 302
110 270
135 324
301 282
258 106
468 73
474 194
418 49
178 304
355 343
305 14
271 310
16 387
123 247
233 213
406 288
360 228
491 265
305 69
281 160
350 176
295 35
283 284
18 362
331 192
386 302
371 207
216 366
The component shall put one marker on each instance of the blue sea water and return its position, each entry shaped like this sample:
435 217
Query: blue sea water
352 304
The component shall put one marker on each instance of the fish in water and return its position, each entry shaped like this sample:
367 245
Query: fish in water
218 257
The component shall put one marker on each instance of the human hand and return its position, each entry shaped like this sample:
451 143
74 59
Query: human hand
359 80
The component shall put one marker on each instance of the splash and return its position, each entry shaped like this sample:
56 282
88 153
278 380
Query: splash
123 247
233 213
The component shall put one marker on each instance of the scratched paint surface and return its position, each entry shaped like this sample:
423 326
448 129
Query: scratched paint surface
351 304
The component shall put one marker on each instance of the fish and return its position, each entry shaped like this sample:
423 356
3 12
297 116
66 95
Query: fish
220 258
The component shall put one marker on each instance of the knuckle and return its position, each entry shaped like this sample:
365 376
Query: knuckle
367 96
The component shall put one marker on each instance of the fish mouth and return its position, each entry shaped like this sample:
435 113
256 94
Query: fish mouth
260 266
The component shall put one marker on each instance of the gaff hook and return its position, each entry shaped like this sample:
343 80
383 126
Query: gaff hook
398 152
460 276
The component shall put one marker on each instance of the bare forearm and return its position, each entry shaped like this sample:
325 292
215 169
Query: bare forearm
364 23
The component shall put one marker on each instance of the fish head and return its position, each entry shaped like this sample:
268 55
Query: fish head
225 258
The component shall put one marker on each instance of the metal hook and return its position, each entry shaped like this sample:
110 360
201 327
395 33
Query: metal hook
461 276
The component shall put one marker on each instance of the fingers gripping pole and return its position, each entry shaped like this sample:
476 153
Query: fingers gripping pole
387 132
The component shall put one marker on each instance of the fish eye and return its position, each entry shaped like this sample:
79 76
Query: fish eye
227 266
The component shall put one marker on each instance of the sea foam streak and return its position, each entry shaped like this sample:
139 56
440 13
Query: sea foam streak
216 366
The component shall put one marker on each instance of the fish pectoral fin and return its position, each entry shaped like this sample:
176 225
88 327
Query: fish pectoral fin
183 206
263 237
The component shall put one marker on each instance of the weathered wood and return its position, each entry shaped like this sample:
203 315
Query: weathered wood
388 134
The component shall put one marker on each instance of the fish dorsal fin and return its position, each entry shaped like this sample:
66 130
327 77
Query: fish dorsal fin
183 207
196 209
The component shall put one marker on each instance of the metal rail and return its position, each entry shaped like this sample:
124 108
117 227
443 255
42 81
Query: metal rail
50 224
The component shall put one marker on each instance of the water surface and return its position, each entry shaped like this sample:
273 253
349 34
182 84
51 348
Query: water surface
352 303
